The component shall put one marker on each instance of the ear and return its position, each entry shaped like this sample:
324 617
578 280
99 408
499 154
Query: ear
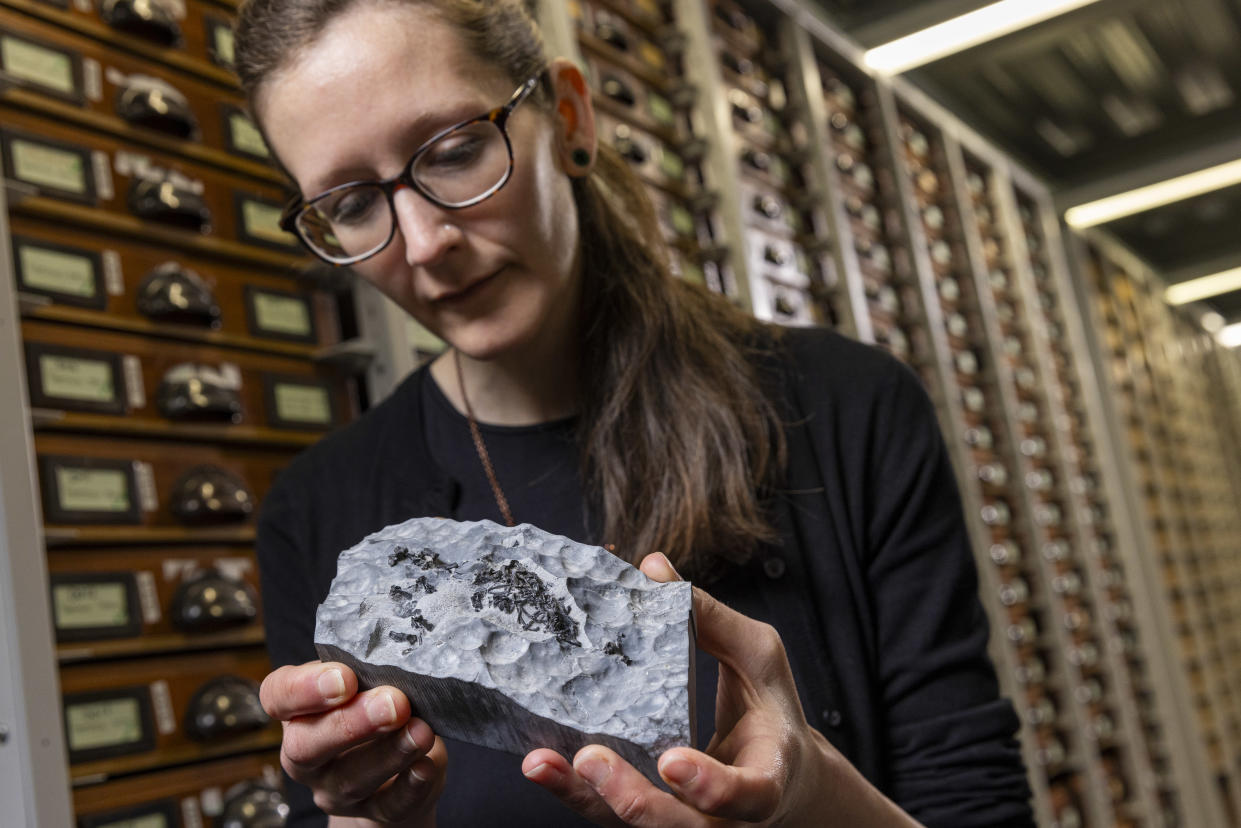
574 118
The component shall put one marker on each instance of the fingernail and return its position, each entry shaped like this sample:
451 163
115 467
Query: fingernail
414 747
671 568
380 710
678 771
331 685
543 773
420 773
595 771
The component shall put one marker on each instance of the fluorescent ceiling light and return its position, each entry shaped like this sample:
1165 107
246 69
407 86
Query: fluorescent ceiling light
1230 337
1191 291
961 33
1153 195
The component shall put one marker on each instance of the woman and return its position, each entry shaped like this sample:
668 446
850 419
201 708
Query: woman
801 477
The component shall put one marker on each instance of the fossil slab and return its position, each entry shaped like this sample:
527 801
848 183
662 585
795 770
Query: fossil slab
513 638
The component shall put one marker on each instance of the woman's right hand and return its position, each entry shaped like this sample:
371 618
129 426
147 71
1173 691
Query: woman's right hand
361 754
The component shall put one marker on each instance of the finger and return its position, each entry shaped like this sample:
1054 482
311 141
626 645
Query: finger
412 791
312 741
403 797
305 689
752 648
359 773
747 718
630 795
553 773
657 567
434 765
749 793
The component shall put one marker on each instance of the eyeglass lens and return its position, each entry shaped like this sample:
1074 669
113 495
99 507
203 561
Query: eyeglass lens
459 168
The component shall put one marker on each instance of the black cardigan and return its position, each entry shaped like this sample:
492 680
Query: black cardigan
873 587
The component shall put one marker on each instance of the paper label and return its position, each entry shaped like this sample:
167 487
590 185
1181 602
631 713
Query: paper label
672 165
660 109
161 701
92 490
177 569
792 220
48 166
104 723
135 389
281 314
103 175
652 55
223 44
28 61
262 221
92 79
228 375
76 378
89 605
191 816
148 597
303 404
112 277
213 801
57 271
157 820
682 220
780 171
144 474
246 136
235 568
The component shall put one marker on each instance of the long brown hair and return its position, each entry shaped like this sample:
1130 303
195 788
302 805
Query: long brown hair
679 440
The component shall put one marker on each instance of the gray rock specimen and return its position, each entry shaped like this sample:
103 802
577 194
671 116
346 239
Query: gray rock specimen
514 638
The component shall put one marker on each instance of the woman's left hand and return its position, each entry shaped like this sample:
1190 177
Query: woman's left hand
765 765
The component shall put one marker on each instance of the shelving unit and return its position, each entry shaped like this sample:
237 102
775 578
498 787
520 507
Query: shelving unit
115 319
1117 286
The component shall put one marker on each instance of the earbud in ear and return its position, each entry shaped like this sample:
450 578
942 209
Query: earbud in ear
581 157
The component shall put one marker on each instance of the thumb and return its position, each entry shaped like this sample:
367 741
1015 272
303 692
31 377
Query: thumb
657 567
720 628
752 649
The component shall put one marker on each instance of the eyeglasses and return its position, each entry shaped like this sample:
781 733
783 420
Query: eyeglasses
457 167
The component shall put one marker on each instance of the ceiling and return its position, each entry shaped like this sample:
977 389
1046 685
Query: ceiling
1112 96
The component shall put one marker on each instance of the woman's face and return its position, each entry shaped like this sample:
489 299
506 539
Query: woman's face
492 279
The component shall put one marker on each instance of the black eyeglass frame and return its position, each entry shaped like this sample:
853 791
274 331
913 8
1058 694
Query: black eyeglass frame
498 116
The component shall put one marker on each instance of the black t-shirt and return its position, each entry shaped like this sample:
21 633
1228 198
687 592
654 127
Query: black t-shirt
537 468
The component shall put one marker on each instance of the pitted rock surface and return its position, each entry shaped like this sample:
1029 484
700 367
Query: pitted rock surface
514 638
